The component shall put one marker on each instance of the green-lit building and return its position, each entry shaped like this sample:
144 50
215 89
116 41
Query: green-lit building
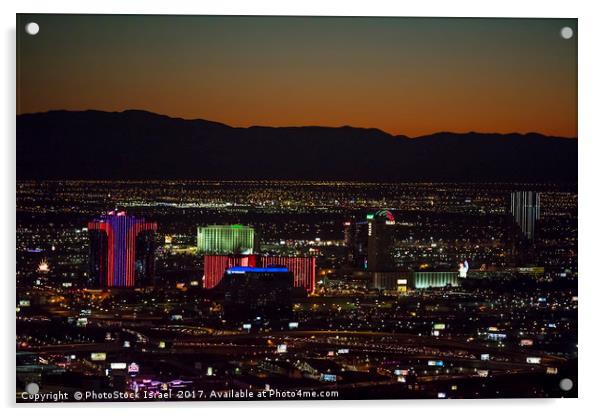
226 239
426 279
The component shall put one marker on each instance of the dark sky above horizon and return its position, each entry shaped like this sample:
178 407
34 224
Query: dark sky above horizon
409 76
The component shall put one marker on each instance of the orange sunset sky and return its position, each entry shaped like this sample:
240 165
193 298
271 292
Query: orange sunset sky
410 76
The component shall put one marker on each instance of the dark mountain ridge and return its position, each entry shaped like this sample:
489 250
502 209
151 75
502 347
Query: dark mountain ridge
136 144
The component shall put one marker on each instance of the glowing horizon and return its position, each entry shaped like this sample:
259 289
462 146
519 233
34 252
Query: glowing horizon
404 76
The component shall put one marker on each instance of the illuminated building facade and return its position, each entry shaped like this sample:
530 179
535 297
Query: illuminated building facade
121 251
430 279
463 269
525 208
380 241
303 268
226 239
215 266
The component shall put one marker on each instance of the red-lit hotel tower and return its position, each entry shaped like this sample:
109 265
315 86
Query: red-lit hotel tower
215 265
121 250
303 268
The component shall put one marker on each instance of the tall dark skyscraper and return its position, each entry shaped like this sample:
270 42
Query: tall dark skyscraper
356 241
524 206
380 241
121 251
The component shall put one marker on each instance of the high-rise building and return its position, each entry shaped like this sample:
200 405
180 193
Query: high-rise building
356 242
257 292
226 239
214 267
121 250
380 241
303 268
524 206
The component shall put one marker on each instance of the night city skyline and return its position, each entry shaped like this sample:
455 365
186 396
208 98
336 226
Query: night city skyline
297 290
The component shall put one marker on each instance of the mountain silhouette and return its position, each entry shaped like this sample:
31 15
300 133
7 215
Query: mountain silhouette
137 144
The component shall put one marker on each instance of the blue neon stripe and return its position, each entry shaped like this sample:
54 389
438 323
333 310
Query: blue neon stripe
246 269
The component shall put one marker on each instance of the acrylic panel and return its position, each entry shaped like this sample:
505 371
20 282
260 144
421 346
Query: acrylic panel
295 208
